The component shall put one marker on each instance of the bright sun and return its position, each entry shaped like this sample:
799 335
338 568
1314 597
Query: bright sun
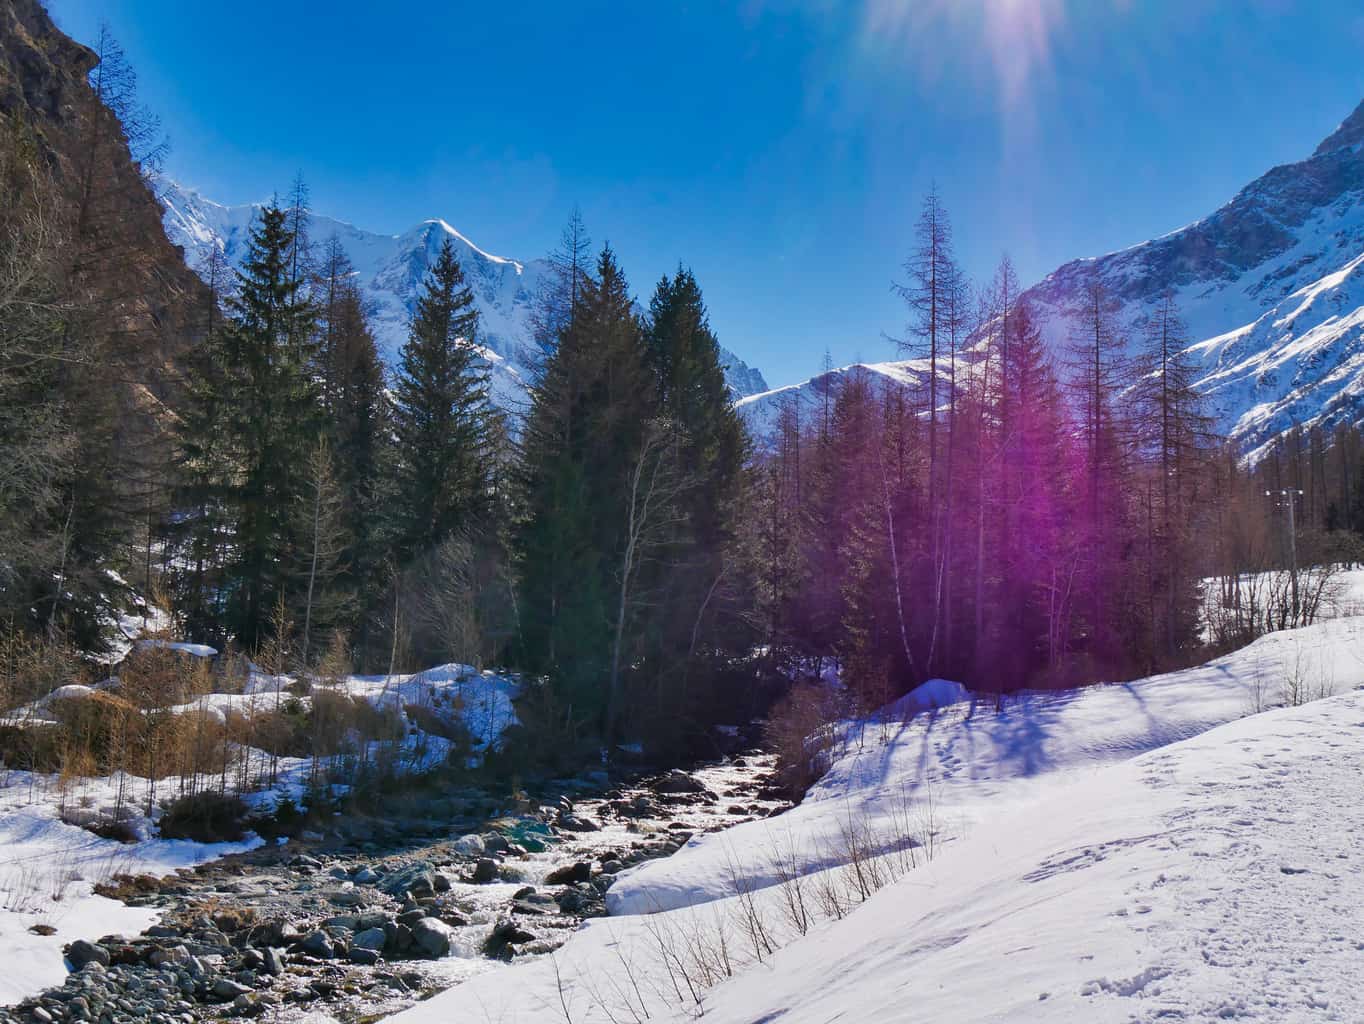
1017 36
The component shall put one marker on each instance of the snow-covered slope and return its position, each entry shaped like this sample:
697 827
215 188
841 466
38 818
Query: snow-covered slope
1114 854
807 400
1271 287
391 269
1218 879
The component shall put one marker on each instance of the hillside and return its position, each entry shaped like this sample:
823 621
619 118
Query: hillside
133 283
1269 287
1138 851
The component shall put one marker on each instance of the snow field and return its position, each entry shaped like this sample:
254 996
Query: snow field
1125 852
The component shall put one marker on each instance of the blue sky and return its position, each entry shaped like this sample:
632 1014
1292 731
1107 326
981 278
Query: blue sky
781 148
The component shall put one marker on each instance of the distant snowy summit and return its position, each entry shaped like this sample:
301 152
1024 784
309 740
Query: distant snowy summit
1271 286
391 269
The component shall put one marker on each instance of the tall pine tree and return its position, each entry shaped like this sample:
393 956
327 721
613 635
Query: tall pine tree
440 415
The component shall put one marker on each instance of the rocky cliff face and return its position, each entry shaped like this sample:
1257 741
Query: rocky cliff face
127 274
1271 287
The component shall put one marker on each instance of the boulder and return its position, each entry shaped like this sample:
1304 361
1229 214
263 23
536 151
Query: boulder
506 935
419 879
370 938
318 944
274 961
569 873
432 937
677 781
81 952
227 990
469 846
485 870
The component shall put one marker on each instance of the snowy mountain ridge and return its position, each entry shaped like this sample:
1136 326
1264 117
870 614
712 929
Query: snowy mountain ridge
1271 287
391 269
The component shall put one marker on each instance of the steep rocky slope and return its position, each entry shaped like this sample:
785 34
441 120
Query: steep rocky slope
1271 287
131 278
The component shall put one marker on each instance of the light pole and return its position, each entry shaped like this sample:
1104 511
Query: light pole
1289 496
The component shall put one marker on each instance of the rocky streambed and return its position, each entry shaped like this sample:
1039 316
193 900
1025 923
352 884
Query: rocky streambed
377 913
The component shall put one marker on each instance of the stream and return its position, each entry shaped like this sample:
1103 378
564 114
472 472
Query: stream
375 914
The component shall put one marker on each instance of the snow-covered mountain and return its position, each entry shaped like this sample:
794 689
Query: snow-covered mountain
761 411
1271 287
391 269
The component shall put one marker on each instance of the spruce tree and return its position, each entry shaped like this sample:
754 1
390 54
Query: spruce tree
584 440
440 416
697 621
273 415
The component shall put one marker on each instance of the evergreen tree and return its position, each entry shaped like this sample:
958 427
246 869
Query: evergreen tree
697 621
272 414
583 444
440 415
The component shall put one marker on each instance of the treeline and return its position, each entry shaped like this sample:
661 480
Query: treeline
589 545
1018 518
289 483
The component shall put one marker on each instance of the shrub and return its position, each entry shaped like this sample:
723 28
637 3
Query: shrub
801 732
204 817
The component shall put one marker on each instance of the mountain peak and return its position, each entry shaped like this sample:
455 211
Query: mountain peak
1350 133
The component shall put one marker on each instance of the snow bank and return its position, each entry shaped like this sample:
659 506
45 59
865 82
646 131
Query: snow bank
47 878
49 868
1218 877
973 759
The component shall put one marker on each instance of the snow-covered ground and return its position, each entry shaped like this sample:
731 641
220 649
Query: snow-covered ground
48 872
49 868
1125 852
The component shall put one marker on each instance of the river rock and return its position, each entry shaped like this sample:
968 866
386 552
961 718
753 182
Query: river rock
485 870
318 944
432 937
274 961
227 990
81 952
677 781
370 938
419 879
505 935
469 846
569 873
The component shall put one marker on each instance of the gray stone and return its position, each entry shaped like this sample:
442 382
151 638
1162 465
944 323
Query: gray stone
226 989
569 873
469 846
370 938
432 937
485 870
80 953
274 961
418 879
318 944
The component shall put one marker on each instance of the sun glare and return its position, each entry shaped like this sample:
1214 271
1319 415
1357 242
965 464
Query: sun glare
1016 37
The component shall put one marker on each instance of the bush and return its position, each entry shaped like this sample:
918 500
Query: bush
204 817
800 731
